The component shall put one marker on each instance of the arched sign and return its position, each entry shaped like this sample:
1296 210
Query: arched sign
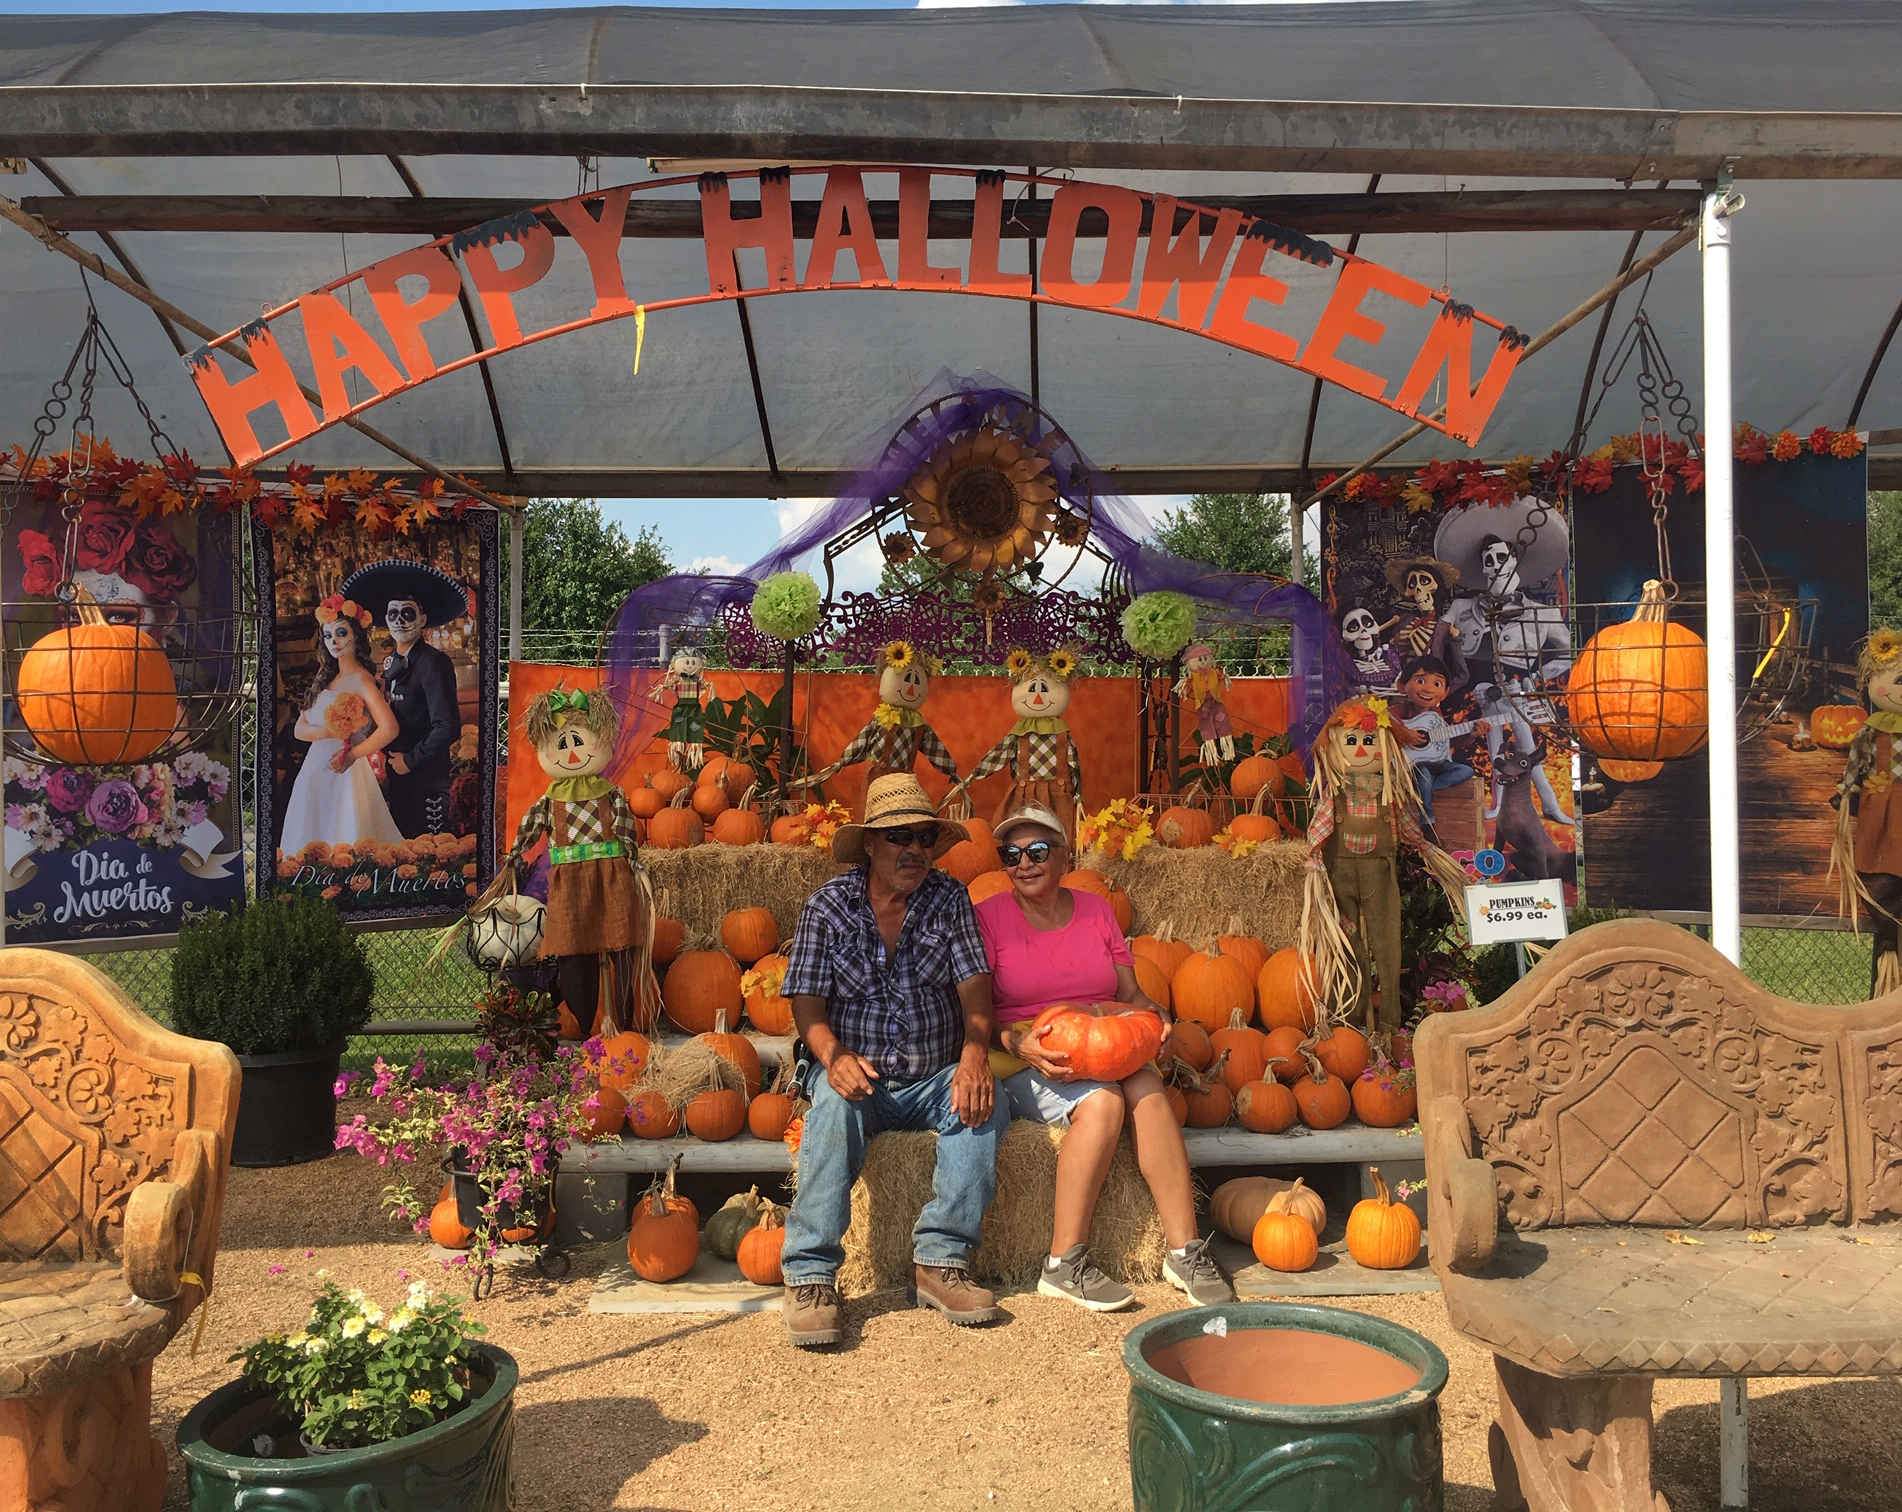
1229 277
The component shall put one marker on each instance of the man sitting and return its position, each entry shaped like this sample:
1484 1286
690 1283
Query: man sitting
891 992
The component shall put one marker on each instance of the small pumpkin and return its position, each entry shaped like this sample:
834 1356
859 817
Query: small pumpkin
1283 1242
1832 725
1282 1050
736 1050
1184 828
718 1113
1285 991
761 1248
445 1226
646 801
729 1225
709 801
1343 1050
1383 1234
96 693
700 985
738 826
769 1115
970 859
791 829
608 1116
749 933
1260 828
1243 1050
1209 987
669 783
1101 1047
1322 1097
767 1008
670 935
1164 949
739 779
664 1240
1265 1107
651 1116
622 1059
1244 948
1190 1044
1385 1098
1208 1102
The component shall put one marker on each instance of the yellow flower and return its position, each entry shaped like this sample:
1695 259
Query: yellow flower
378 1336
298 1340
401 1319
356 1399
352 1327
885 716
1884 645
1017 663
1062 663
899 654
420 1397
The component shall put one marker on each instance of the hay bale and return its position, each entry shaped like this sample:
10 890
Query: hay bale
1197 891
1125 1240
704 882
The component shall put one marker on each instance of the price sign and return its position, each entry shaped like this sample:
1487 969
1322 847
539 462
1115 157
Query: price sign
1505 912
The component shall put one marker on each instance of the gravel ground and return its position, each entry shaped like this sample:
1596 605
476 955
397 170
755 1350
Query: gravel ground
697 1412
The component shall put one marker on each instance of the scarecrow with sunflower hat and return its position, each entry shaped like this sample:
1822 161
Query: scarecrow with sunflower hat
897 734
1037 750
1365 808
1865 857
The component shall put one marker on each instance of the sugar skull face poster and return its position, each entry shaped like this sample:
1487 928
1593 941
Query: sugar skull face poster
377 715
102 848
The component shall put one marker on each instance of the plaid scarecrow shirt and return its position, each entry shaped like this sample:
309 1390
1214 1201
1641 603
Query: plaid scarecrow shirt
1048 750
1859 766
584 799
1357 813
900 1011
892 742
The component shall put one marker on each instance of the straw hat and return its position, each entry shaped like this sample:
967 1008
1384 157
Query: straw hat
895 801
1036 816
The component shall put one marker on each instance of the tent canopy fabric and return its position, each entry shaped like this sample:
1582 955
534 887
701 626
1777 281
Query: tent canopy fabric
1201 102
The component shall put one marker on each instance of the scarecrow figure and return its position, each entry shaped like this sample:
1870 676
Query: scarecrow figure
1365 808
1037 749
599 927
1865 857
686 730
897 734
1202 686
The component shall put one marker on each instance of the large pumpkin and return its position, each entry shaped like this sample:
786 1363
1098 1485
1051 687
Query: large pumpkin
94 694
738 826
1184 828
664 1241
700 986
1382 1234
1104 1047
1164 949
1284 991
651 1116
669 936
767 1008
1254 773
675 829
1236 1205
1835 725
1152 979
1629 771
970 859
792 829
988 885
749 933
669 783
1638 690
718 1113
1190 1044
1209 987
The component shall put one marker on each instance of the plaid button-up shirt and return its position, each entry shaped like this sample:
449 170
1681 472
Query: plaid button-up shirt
898 1010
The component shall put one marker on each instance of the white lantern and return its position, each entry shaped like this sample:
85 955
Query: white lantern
506 931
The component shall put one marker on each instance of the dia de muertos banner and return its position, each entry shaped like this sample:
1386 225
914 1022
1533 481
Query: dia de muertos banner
132 850
377 715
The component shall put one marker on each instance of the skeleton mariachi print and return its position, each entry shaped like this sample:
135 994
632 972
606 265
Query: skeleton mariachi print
686 730
1866 856
1201 686
599 927
1365 809
897 734
1037 750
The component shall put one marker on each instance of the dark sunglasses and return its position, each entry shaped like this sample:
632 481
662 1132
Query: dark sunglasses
926 835
1038 852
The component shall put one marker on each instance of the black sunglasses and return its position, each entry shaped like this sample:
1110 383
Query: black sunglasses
925 835
1038 852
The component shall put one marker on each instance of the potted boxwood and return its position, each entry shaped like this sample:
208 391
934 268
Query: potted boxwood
283 983
359 1406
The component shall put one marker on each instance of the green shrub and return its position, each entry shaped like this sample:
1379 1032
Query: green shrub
282 975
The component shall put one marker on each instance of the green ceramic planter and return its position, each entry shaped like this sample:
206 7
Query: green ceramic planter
1195 1451
463 1464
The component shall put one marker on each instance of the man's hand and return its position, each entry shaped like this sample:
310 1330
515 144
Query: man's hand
341 761
399 765
973 1088
851 1076
1052 1065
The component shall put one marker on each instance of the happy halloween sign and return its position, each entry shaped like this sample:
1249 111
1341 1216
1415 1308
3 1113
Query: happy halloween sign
1238 280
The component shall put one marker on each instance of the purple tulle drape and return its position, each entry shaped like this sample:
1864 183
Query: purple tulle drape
674 610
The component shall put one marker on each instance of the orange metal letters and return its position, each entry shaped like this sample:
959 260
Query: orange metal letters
915 270
1124 207
337 344
845 225
724 236
987 234
1184 261
404 320
497 286
1449 344
233 404
1343 318
1246 284
600 242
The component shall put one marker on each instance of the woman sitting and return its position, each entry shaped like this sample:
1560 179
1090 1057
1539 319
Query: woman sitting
1049 945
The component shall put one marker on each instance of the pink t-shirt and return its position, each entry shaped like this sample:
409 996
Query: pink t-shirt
1032 968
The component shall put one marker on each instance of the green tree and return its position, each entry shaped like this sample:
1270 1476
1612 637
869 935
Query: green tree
1239 532
577 567
1885 558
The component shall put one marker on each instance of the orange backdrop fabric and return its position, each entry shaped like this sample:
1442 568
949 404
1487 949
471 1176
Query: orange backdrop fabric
969 714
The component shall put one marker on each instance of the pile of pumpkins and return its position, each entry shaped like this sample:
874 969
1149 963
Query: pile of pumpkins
665 1239
1264 783
1282 1222
718 803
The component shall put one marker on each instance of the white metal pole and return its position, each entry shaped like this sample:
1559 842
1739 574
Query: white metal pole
1720 633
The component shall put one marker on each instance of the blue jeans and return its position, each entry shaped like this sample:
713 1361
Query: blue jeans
1430 776
832 1151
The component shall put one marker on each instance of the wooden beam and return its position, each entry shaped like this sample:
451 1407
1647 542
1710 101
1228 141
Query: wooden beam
678 218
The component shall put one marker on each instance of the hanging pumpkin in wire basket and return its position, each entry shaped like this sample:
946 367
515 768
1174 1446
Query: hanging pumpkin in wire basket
1639 691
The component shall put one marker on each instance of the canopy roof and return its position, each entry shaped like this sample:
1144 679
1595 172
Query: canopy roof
178 137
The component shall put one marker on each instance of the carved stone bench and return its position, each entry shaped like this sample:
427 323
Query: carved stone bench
114 1140
1695 1177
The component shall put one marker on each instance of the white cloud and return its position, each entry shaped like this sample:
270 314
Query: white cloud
719 566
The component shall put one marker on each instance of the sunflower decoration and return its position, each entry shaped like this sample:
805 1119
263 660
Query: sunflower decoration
987 598
1063 662
1017 663
985 502
1882 647
898 546
899 654
1071 528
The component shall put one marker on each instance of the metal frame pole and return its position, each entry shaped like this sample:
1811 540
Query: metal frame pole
518 531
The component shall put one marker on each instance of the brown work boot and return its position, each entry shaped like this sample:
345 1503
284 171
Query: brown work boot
811 1313
954 1294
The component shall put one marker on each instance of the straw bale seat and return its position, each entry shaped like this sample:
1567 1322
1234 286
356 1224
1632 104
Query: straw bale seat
114 1139
1696 1178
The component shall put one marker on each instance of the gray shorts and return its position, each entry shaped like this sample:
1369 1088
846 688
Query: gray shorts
1043 1101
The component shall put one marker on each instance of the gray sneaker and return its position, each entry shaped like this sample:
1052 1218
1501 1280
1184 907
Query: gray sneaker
1077 1280
1193 1270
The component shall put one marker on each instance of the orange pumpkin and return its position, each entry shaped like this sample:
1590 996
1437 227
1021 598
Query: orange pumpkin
664 1240
1087 879
1285 1242
1266 1107
622 1059
736 1050
1629 771
1385 1098
767 1008
769 1115
970 859
609 1114
1284 991
1383 1234
1282 1050
792 829
651 1116
987 885
749 933
95 693
1178 1102
1322 1098
646 801
1101 1047
1261 828
1244 948
1254 773
1210 986
1244 1051
1124 910
760 1250
1637 691
669 783
712 773
700 986
1190 1045
709 801
1833 725
669 936
1152 979
738 779
738 826
718 1113
1343 1050
675 829
1184 828
1164 949
1209 1100
445 1226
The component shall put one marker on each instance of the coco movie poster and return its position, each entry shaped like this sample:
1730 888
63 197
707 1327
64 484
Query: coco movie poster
377 715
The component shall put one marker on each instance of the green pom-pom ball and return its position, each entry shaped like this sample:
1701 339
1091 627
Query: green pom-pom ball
1158 625
787 605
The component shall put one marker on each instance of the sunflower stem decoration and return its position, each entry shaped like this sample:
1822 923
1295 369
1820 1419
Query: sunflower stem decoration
985 502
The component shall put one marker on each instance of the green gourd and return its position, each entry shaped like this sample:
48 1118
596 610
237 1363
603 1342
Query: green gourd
737 1215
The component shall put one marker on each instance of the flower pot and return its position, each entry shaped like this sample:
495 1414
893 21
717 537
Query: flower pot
1277 1407
287 1107
463 1463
